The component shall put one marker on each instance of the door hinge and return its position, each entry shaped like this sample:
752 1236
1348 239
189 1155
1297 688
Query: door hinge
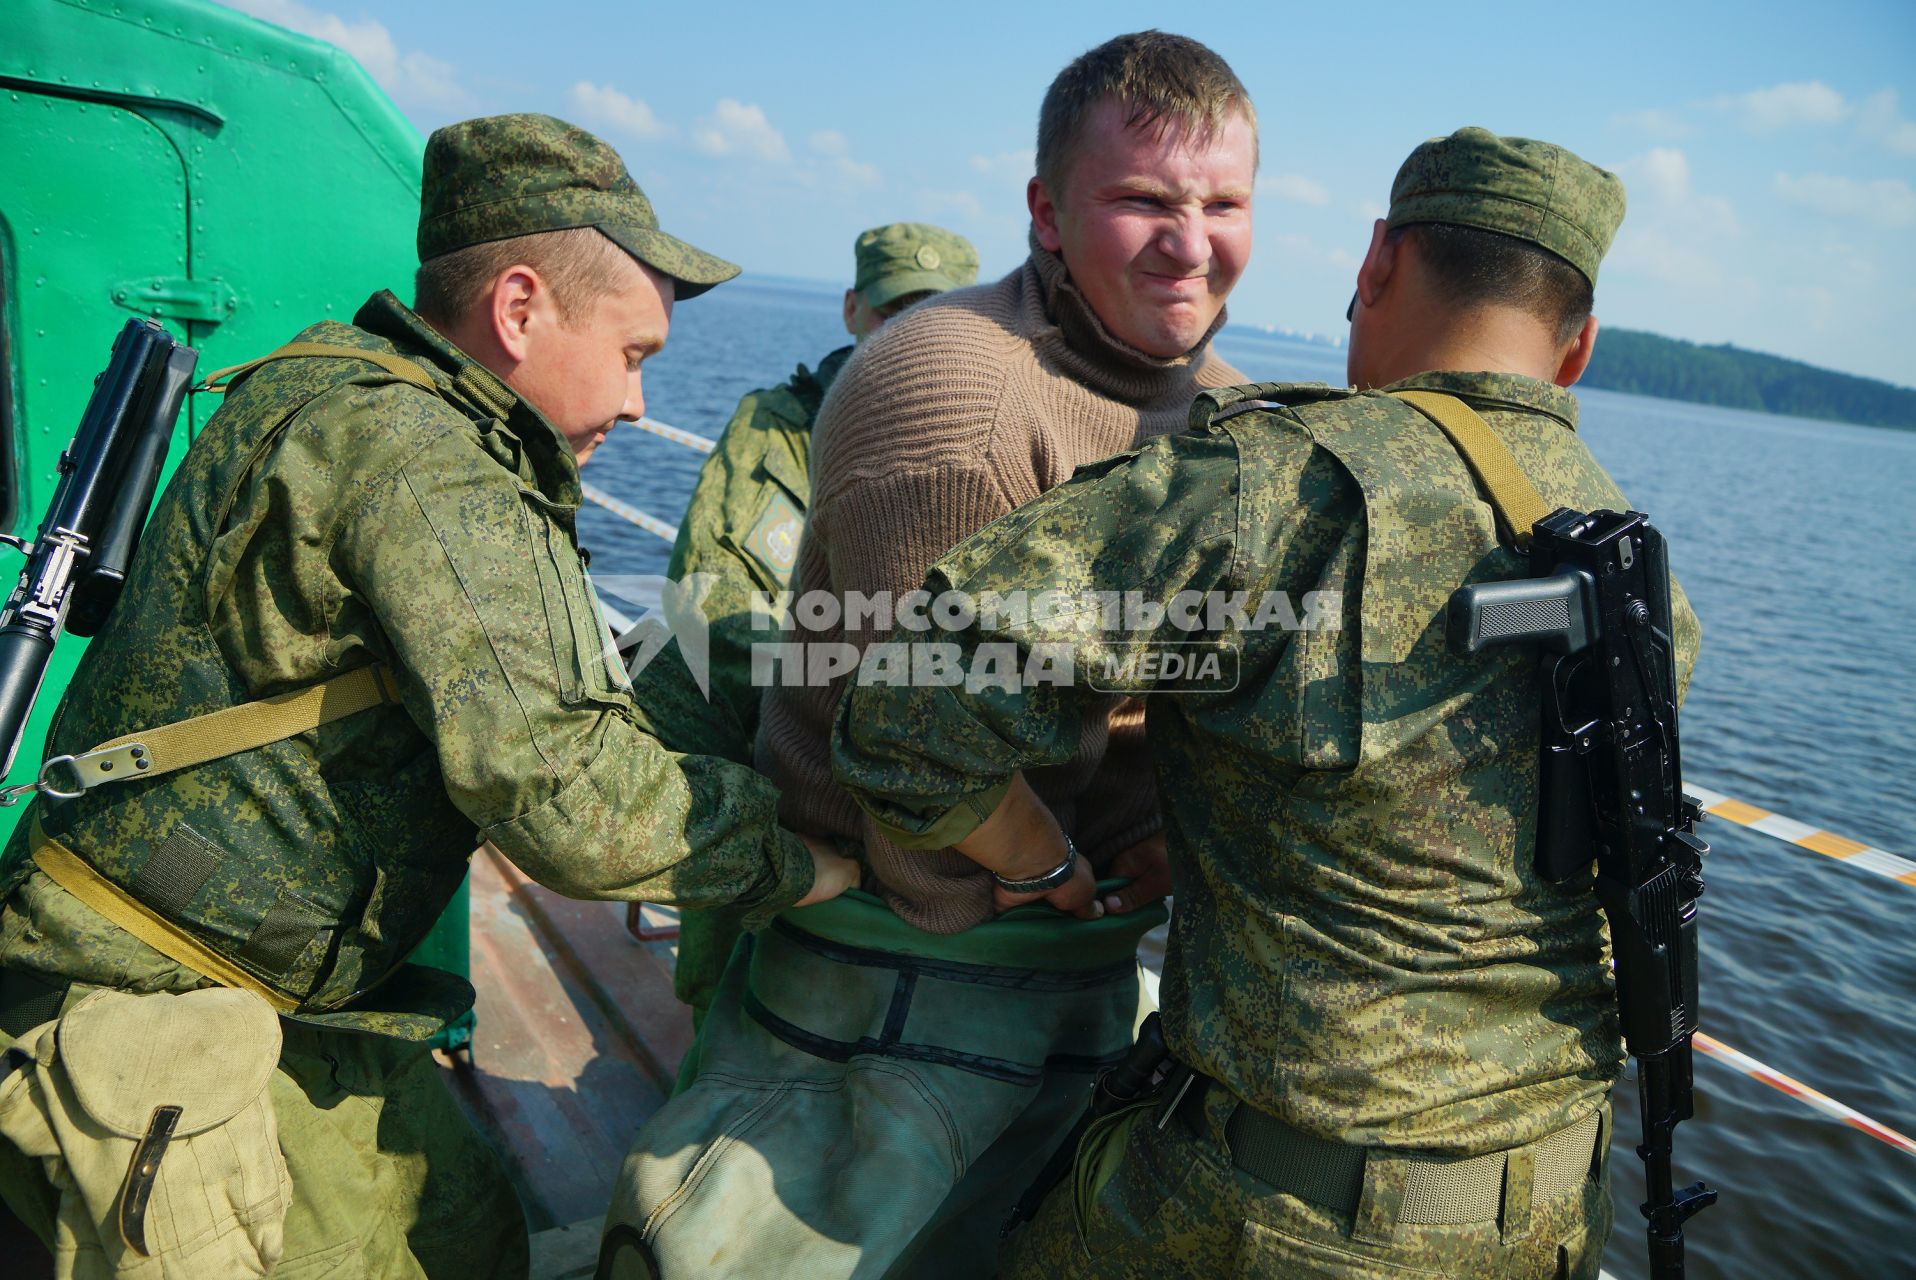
177 298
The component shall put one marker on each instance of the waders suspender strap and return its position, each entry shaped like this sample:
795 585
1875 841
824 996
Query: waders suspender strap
398 366
1514 498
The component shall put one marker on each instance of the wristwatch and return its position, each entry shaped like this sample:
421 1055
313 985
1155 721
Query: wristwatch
1049 880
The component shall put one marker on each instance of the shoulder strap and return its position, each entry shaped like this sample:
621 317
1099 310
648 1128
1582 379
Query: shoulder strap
225 732
398 366
1515 499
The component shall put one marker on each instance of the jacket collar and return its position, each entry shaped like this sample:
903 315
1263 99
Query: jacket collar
494 405
1512 391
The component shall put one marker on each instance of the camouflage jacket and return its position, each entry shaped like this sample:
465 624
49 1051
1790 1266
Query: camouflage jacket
330 516
741 529
1361 945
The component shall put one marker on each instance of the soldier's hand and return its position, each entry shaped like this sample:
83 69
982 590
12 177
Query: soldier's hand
1078 895
1148 864
832 872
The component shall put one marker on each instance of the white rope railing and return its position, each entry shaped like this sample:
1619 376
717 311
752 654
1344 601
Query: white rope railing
677 435
626 511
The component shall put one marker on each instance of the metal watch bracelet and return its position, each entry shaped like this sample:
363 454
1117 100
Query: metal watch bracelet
1049 880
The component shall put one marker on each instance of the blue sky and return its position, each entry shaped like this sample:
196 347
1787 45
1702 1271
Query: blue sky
1769 149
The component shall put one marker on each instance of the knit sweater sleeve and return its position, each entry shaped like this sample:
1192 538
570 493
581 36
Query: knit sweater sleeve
904 472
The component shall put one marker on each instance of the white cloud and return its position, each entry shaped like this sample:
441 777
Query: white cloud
1655 120
1659 182
935 204
1653 252
1880 118
1802 102
1014 165
605 106
837 150
1886 202
1666 171
1294 187
408 77
1370 209
737 128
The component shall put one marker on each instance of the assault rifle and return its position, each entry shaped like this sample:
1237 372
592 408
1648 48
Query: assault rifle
1611 776
77 562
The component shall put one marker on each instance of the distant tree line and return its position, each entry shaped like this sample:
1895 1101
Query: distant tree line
1648 365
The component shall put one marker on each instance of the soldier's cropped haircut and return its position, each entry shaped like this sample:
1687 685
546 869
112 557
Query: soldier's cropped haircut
577 264
1474 267
1161 81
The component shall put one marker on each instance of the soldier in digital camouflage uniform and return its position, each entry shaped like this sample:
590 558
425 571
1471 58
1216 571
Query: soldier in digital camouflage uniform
1403 1037
419 514
742 527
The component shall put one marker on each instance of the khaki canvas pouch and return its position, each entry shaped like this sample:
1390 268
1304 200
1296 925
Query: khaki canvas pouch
149 1115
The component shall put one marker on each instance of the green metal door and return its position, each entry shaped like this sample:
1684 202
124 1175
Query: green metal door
178 159
114 221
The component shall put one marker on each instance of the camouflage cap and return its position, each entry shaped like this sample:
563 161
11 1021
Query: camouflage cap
504 176
911 257
1532 190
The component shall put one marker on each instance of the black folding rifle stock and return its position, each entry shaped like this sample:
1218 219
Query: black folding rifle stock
1611 778
78 561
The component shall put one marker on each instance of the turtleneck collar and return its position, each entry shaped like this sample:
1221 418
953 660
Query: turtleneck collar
1090 353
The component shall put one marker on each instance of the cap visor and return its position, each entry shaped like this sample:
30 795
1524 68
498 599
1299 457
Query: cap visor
694 270
890 288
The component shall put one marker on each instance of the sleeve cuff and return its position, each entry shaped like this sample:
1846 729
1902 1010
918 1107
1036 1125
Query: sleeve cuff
954 825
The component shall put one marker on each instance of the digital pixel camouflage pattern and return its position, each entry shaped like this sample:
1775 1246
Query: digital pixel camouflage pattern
741 528
1361 947
516 175
911 257
329 517
1520 187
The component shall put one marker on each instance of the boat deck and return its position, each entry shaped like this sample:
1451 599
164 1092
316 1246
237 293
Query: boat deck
578 1041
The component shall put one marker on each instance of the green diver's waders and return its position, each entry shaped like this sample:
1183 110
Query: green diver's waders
872 1099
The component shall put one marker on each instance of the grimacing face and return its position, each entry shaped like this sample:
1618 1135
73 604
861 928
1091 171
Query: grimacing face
1154 225
583 371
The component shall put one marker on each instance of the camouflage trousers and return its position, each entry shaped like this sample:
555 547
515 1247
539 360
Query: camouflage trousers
389 1177
870 1100
1151 1202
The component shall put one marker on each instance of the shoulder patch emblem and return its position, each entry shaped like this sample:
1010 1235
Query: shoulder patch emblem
774 539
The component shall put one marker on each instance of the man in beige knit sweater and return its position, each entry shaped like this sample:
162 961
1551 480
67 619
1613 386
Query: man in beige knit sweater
879 1079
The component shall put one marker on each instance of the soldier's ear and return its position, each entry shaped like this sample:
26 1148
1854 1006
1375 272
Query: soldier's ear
1379 265
1576 357
514 307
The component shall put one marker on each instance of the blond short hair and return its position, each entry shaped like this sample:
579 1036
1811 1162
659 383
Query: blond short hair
578 264
1162 81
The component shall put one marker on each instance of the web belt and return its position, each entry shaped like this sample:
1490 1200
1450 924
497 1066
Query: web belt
1438 1190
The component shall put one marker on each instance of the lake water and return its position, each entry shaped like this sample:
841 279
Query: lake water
1794 541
